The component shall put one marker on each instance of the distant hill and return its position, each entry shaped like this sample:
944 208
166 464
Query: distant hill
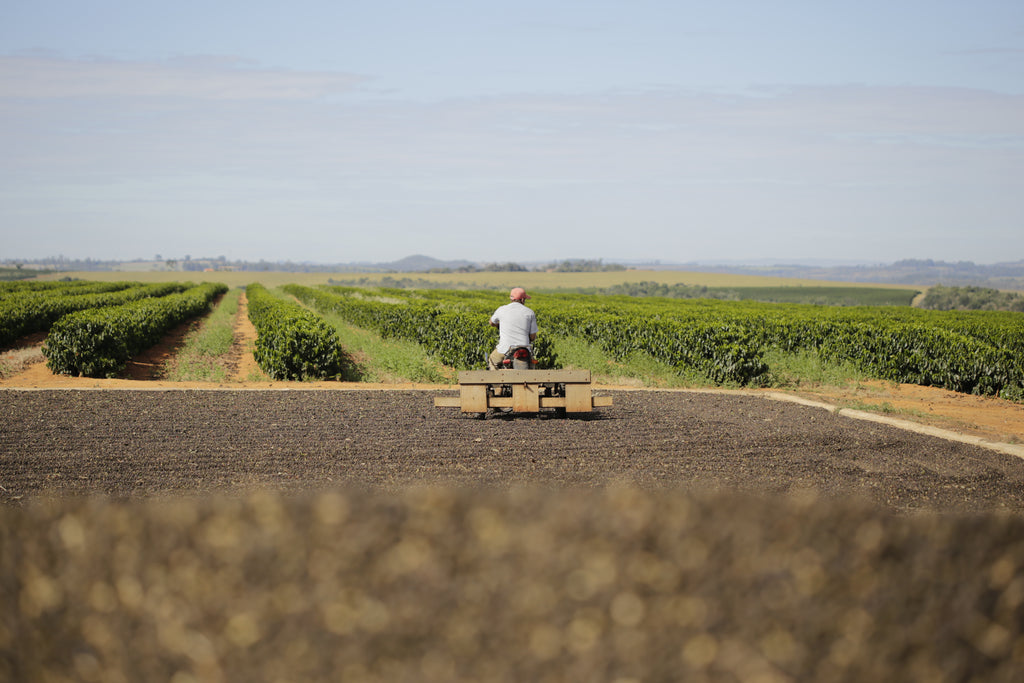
908 272
419 263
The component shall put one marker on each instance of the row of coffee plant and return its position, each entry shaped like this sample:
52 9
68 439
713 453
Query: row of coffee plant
980 357
292 342
453 326
458 336
972 352
979 352
24 286
98 342
28 310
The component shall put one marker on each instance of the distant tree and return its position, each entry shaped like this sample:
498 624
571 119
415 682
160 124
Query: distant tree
581 266
507 267
942 298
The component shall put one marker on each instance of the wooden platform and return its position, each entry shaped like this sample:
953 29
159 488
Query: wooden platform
479 390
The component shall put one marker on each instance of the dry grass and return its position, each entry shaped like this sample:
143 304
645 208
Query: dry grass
16 360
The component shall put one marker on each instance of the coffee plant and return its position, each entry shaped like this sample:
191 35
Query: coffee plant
456 333
35 310
980 352
98 342
293 343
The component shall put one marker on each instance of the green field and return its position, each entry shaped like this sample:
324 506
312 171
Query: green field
658 340
719 342
14 274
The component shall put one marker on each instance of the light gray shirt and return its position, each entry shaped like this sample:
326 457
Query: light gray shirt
515 324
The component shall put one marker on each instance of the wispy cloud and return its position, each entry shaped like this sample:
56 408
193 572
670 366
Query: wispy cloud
208 78
214 144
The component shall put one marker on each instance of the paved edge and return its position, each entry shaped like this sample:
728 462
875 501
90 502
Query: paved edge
907 425
1006 448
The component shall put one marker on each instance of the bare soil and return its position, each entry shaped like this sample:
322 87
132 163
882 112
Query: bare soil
173 442
242 361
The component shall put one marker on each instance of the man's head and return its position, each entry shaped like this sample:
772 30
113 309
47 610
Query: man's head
518 294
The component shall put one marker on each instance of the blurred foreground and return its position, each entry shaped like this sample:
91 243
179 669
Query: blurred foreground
450 584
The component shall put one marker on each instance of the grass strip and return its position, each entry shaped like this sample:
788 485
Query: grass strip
203 357
791 370
379 360
639 369
388 360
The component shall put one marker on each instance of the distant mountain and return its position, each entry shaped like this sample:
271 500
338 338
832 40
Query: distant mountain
419 263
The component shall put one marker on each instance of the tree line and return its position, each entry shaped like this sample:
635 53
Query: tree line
970 298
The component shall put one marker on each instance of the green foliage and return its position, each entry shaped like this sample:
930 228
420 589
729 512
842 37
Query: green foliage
293 343
725 354
18 285
507 267
793 368
638 368
386 360
582 266
35 308
818 296
457 333
829 296
728 342
15 274
941 298
98 342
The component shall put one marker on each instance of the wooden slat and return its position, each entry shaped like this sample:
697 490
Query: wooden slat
518 376
577 398
525 398
474 398
506 401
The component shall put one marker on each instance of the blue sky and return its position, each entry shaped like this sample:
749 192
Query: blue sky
532 131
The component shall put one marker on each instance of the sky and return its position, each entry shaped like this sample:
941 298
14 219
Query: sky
333 131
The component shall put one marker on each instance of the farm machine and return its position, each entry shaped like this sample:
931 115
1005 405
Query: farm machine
524 391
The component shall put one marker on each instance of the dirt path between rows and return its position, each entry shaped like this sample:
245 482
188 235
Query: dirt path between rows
243 361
